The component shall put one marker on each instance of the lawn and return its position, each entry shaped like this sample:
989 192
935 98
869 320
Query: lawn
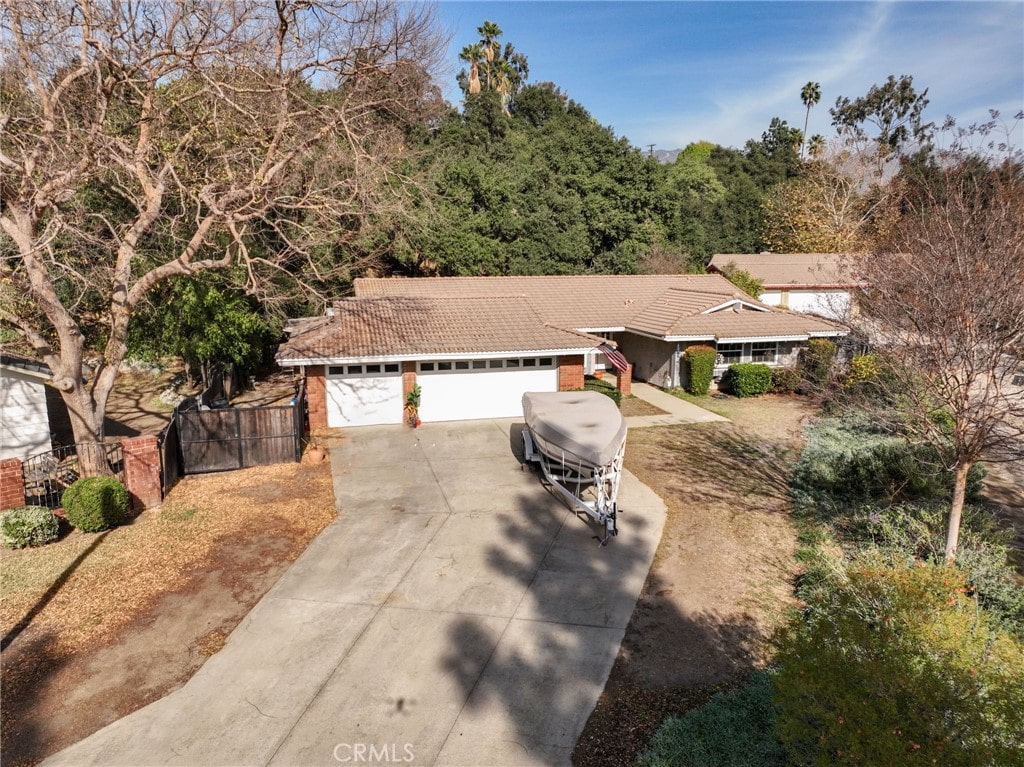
97 625
722 577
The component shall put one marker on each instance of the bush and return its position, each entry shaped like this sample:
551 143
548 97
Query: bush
96 503
700 360
28 526
817 361
899 666
596 384
735 729
746 379
785 380
864 368
847 459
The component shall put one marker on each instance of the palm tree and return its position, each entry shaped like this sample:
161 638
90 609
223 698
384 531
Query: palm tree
472 54
816 145
810 94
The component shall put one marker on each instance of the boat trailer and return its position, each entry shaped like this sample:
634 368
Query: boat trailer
578 440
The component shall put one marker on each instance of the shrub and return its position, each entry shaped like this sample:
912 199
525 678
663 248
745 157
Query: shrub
96 503
899 666
28 526
848 459
817 361
594 384
735 729
746 379
700 360
864 368
785 380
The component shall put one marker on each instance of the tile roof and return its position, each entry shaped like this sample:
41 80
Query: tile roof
415 326
781 270
579 301
414 317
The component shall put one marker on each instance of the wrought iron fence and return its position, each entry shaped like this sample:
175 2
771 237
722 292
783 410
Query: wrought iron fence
47 475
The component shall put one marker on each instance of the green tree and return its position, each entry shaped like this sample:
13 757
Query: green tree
810 94
895 110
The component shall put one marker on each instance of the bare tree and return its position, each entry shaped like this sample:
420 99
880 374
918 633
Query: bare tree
145 139
945 304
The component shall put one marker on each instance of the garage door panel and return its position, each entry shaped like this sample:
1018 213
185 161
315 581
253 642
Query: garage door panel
364 400
455 396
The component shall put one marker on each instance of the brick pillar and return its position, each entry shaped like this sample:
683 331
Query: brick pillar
408 383
142 471
316 397
12 485
570 373
624 381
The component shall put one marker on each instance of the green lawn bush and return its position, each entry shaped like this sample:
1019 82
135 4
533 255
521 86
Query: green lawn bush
899 666
700 362
735 729
96 503
747 379
28 526
785 380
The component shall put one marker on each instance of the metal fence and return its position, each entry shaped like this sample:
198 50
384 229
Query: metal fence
48 475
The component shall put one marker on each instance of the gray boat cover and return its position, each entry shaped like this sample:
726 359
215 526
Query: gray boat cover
584 423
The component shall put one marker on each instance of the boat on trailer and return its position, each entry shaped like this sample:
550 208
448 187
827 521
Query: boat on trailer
578 440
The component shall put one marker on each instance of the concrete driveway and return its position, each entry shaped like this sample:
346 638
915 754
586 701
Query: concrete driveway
455 613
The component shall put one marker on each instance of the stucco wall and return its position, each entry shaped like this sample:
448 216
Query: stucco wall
827 303
24 425
651 358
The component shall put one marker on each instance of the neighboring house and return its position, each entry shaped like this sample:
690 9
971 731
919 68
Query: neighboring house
475 345
817 283
24 416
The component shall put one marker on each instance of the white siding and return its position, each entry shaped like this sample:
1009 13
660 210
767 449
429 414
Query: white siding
24 425
834 304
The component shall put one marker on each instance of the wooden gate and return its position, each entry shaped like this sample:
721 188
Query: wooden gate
236 438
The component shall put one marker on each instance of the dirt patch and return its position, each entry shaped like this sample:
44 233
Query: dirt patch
97 626
636 406
722 576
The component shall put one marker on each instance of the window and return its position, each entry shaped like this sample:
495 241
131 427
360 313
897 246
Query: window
512 363
496 363
729 354
373 368
462 365
336 370
355 369
530 363
546 362
479 364
764 351
391 367
426 367
444 366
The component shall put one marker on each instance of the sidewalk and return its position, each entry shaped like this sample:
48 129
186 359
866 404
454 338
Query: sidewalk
676 410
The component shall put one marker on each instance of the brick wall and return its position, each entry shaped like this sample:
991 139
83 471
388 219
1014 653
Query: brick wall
624 381
142 471
570 372
316 397
12 488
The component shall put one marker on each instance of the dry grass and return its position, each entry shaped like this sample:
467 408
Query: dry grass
92 585
636 406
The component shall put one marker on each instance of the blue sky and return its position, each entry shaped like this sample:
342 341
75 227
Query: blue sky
670 73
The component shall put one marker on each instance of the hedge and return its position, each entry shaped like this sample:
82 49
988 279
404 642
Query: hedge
28 526
747 379
785 380
96 503
701 362
818 358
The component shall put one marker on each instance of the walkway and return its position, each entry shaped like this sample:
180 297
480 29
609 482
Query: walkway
676 410
454 614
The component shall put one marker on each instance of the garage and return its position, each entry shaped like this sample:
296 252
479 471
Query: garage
364 395
459 390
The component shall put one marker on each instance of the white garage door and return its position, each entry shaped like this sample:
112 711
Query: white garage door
462 390
364 395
